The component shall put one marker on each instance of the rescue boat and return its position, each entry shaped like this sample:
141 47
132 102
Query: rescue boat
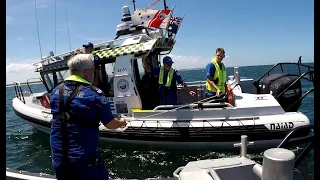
265 109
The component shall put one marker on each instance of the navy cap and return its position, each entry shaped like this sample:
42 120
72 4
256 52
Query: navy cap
89 44
167 60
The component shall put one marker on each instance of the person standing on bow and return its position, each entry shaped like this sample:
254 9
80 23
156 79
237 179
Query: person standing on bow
167 78
216 75
78 108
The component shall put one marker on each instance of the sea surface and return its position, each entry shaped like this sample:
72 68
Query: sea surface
28 149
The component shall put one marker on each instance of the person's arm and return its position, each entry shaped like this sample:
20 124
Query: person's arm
107 118
116 123
210 70
178 77
145 64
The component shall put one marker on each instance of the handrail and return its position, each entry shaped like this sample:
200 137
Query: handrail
96 45
309 139
18 91
283 63
294 82
29 86
287 138
305 94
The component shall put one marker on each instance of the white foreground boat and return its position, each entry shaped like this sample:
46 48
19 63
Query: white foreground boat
265 109
278 163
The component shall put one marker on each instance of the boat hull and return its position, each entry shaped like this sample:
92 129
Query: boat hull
214 138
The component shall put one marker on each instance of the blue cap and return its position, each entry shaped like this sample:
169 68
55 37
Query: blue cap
89 44
167 60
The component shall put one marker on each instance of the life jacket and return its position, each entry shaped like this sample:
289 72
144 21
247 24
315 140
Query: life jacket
220 75
169 78
65 115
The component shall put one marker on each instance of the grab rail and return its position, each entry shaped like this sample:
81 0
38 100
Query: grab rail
287 138
29 86
18 91
280 64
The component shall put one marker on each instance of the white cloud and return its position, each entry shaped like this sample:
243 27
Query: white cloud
22 71
18 38
19 71
9 20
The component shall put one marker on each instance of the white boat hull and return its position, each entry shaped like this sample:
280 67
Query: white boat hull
40 119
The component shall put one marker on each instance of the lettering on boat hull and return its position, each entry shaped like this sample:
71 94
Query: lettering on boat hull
277 126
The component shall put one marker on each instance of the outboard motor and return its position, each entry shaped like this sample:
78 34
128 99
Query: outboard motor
277 83
123 28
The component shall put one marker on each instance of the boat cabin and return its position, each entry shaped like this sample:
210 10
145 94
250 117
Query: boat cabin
122 75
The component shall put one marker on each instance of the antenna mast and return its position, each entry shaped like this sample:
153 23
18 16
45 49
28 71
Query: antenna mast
134 5
165 5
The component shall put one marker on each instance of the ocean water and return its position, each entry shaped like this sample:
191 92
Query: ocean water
28 149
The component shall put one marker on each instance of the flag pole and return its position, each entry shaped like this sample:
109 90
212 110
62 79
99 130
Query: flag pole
167 31
165 4
175 35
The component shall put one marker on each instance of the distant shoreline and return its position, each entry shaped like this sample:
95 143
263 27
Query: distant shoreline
241 66
39 82
25 83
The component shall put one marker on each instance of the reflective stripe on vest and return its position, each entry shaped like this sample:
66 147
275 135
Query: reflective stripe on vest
220 75
169 78
77 79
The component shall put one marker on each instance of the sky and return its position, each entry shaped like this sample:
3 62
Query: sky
252 32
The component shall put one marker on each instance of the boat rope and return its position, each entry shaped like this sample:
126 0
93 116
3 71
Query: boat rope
35 6
213 98
171 110
65 4
55 27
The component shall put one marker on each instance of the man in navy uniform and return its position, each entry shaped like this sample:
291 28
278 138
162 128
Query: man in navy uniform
77 108
88 48
167 78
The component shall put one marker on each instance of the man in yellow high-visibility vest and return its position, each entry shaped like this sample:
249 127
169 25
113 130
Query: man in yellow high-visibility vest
216 74
167 78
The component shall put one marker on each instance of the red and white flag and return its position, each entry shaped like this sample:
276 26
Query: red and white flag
152 18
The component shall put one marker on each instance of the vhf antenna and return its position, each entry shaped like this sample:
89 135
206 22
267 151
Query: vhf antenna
165 5
134 5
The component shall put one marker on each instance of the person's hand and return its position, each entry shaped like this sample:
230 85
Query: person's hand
184 85
192 93
123 122
218 93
